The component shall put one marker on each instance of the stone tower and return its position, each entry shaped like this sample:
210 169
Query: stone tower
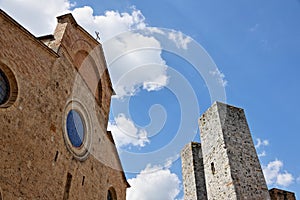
231 165
193 172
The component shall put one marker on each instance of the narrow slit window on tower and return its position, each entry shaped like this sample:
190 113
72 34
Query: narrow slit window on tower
213 170
67 186
83 178
56 155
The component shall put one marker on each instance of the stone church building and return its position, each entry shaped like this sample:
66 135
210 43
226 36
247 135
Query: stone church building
55 94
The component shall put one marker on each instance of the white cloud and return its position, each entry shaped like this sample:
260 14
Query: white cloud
261 143
154 183
285 179
131 63
169 161
219 76
274 176
262 154
138 64
156 84
111 23
179 39
126 133
37 16
271 171
128 75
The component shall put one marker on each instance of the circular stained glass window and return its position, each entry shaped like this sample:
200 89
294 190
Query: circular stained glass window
75 128
4 88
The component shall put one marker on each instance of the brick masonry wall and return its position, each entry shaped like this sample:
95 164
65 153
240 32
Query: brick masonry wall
35 162
232 169
193 172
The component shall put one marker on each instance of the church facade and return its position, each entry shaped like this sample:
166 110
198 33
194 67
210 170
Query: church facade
55 96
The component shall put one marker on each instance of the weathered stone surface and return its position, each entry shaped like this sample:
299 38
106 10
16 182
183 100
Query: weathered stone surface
193 172
35 162
277 194
231 166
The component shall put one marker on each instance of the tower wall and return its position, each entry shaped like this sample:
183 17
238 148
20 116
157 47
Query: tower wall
232 169
193 172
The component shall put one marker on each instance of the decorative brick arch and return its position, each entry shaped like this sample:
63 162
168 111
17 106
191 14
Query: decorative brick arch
81 45
88 69
87 61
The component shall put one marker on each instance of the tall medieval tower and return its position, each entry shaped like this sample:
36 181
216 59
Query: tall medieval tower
230 164
193 172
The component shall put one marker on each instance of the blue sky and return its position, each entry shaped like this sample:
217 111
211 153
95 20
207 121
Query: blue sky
255 46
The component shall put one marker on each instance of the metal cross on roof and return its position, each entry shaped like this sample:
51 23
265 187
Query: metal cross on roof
97 35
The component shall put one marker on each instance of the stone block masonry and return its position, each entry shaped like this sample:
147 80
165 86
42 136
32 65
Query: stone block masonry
50 78
225 165
231 165
193 172
277 194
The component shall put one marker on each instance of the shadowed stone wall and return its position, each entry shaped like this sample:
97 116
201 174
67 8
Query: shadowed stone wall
193 172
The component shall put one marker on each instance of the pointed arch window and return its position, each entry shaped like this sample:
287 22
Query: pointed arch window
111 194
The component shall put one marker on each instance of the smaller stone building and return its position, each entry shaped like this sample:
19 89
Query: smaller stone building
277 194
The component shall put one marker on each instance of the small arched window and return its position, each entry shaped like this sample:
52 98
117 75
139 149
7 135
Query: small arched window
111 194
213 170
